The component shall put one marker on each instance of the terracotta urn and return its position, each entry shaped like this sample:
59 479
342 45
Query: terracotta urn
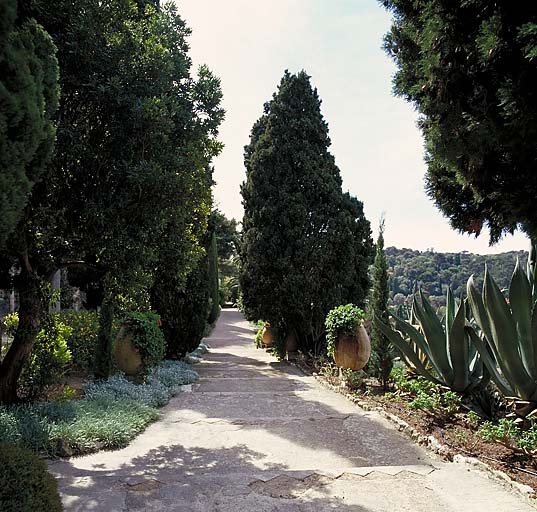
291 343
353 351
128 358
268 336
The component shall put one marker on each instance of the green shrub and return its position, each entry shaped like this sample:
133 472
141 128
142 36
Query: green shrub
183 307
48 360
110 416
341 321
412 384
147 336
259 334
83 338
214 282
440 404
10 323
427 396
506 432
25 484
279 345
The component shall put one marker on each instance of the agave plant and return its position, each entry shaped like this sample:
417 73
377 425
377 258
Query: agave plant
508 340
439 350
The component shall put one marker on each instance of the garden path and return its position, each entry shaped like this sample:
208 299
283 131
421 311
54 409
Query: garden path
254 434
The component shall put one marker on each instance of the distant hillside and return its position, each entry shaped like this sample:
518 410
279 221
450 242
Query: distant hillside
434 271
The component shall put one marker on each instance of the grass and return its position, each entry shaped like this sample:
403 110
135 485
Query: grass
112 413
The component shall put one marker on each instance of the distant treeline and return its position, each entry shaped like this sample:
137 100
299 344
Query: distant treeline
435 271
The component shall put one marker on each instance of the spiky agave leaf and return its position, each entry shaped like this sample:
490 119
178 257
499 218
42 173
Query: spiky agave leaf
509 333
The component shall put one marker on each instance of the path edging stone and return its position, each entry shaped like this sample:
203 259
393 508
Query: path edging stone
432 444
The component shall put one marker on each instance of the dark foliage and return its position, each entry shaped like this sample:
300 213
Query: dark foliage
214 281
136 133
469 68
25 483
382 360
28 100
303 241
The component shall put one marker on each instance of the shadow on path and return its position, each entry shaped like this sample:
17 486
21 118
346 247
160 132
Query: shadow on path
198 480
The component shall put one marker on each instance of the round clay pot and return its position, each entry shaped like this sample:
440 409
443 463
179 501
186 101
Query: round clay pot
127 357
268 336
353 351
291 343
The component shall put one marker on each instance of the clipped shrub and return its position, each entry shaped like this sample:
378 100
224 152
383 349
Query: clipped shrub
183 307
83 338
148 339
25 483
214 282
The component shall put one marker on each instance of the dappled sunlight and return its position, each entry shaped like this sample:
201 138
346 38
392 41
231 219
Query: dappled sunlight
256 434
200 478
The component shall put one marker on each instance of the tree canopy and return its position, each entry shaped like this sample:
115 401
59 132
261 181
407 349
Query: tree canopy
303 241
433 272
129 180
28 100
469 68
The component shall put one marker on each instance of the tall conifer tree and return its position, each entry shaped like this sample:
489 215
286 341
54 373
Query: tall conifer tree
382 358
298 247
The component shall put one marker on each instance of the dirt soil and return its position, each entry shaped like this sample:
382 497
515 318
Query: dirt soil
75 381
455 433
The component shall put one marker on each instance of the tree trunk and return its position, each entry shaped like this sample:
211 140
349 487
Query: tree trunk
33 305
56 283
103 354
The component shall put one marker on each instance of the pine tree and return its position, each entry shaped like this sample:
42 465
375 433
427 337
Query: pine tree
298 245
382 358
469 69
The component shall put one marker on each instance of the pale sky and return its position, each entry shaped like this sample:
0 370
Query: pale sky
375 141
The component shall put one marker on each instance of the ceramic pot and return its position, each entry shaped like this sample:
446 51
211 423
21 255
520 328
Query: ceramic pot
353 351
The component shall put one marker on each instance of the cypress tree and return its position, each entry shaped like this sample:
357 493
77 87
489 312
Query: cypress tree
28 100
298 244
382 360
214 282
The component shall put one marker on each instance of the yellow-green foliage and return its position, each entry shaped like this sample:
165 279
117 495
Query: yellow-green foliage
83 338
10 322
49 358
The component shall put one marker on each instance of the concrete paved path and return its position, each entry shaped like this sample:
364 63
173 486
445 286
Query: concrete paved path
255 435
